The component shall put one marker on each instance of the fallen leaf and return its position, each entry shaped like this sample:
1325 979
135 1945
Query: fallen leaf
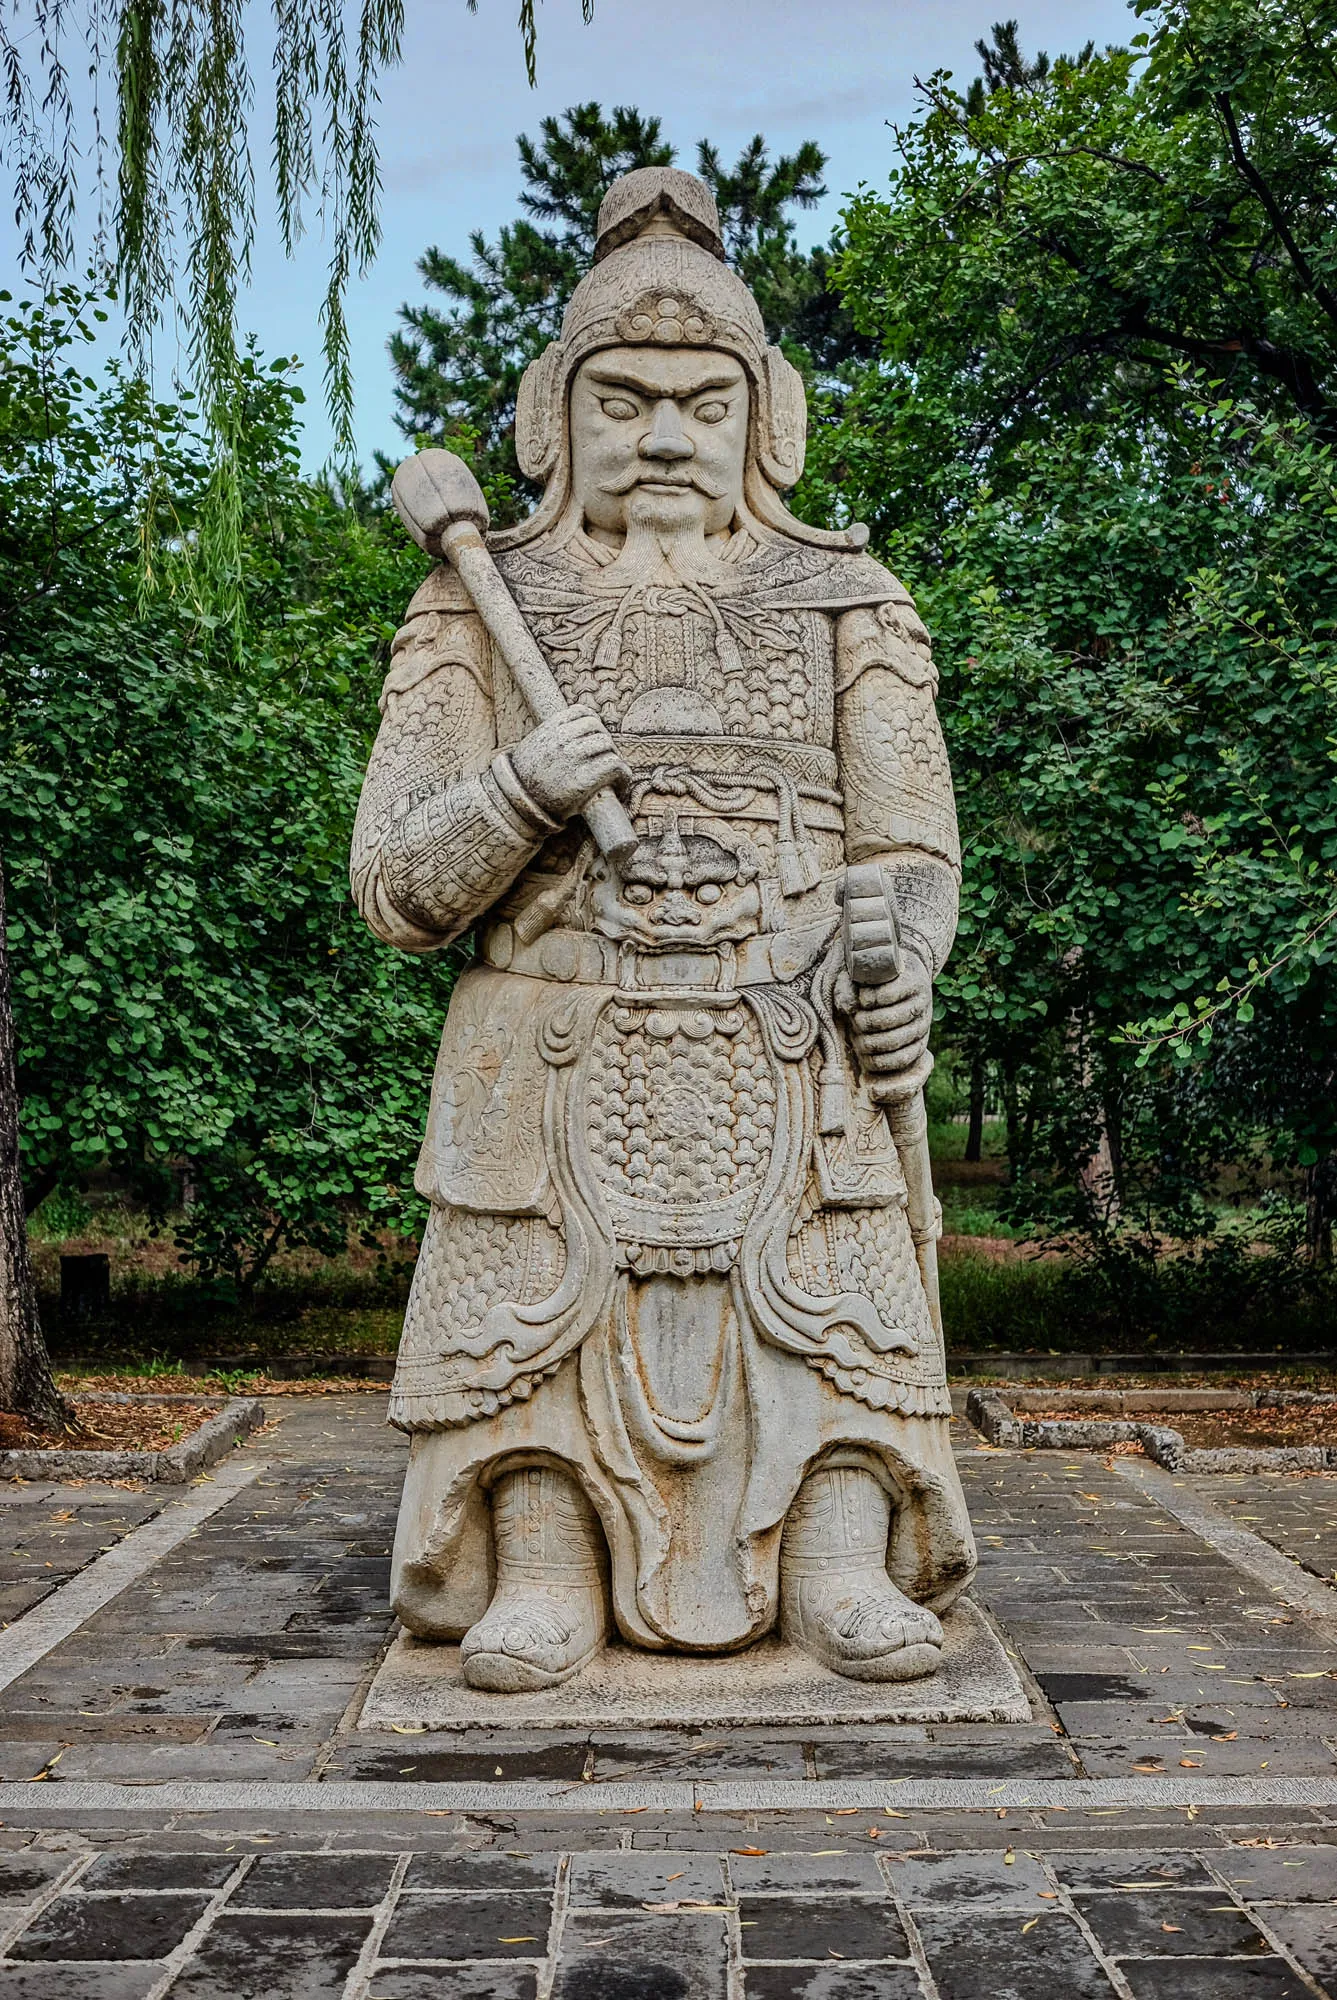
268 1742
409 1728
518 1940
742 1850
1227 1736
843 1812
682 1871
1172 1927
1047 1895
1009 1857
1190 1763
1029 1925
831 1952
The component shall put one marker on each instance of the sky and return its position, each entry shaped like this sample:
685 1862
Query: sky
832 70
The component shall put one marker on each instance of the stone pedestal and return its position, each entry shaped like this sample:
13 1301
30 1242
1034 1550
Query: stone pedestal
771 1685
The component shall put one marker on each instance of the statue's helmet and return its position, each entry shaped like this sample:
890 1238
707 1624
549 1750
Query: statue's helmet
659 279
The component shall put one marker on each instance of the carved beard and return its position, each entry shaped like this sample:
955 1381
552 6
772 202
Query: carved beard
664 541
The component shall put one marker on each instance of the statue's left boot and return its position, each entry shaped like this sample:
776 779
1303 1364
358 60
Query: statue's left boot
836 1600
549 1612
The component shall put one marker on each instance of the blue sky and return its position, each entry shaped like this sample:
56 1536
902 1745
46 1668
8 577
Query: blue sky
833 70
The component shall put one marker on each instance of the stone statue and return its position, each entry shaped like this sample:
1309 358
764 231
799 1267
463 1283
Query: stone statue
672 1363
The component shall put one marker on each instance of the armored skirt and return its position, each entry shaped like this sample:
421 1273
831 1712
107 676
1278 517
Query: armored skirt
645 1264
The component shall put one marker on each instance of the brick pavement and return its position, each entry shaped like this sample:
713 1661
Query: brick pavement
243 1655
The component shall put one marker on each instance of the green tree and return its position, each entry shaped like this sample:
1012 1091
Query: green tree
1097 442
458 368
191 983
166 184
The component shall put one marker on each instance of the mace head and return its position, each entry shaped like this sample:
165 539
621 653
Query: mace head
434 490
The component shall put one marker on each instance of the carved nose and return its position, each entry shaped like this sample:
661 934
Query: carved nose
666 439
677 908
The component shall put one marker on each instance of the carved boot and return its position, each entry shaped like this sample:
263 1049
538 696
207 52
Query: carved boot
836 1600
548 1614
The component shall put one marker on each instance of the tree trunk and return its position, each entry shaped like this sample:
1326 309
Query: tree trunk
26 1385
1012 1116
1320 1210
975 1129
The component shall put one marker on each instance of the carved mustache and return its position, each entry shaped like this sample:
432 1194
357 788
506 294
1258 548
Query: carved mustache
638 475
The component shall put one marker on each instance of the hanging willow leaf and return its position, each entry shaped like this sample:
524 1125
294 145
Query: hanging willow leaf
179 160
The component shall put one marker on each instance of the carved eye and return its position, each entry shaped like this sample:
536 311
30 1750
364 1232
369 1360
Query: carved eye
637 892
709 892
712 413
618 408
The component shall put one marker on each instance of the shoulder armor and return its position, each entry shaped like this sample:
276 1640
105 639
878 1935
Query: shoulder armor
440 590
893 636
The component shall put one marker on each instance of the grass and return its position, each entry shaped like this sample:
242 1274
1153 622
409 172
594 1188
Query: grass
1056 1306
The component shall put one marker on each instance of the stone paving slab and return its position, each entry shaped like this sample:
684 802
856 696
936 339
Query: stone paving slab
49 1532
1180 1737
421 1686
836 1921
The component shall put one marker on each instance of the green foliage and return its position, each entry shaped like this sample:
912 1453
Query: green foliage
1232 1300
1097 444
192 986
459 369
173 168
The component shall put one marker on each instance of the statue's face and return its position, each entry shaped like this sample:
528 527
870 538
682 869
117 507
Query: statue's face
659 435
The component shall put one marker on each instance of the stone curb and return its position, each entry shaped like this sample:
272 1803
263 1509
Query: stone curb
70 1797
212 1441
999 1424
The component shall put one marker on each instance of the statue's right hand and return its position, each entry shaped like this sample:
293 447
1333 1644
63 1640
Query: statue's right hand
566 760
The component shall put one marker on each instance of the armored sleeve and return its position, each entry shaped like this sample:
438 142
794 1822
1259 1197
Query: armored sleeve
443 825
899 805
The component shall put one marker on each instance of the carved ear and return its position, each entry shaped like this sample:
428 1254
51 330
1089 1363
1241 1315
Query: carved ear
538 420
783 430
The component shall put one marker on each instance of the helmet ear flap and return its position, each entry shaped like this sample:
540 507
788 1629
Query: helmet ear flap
538 417
782 428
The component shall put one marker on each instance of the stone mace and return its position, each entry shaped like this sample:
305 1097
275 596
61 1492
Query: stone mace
442 506
872 945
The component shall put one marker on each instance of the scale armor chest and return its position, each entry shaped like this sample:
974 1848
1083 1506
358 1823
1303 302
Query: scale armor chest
667 659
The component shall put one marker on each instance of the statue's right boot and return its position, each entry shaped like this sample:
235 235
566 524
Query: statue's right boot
549 1612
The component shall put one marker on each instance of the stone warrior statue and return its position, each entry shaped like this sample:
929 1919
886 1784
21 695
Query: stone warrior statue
669 1364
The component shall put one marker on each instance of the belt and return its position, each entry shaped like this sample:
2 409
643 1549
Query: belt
585 958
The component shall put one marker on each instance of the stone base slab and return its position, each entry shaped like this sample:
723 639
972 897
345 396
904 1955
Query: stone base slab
420 1686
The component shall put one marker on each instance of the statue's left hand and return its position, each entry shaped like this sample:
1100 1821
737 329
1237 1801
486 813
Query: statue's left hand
890 1024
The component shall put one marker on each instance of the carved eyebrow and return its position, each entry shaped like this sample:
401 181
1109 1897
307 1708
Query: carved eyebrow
626 378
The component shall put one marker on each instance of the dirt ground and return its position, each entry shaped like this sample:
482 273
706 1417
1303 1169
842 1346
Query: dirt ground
106 1426
1211 1429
